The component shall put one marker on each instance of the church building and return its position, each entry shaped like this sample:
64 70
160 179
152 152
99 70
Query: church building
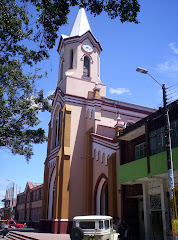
81 167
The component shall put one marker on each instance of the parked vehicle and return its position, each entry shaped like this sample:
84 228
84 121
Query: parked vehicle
13 223
4 229
93 227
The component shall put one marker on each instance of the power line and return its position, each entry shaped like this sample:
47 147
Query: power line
172 93
172 86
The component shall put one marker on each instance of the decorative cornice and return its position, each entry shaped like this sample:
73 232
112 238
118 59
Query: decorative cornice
104 141
80 39
127 106
108 105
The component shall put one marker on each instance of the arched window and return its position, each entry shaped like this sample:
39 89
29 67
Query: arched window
56 130
103 158
71 58
107 160
92 114
95 154
88 114
99 156
98 66
86 66
61 70
58 127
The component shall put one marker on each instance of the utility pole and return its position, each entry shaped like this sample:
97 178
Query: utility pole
171 187
172 197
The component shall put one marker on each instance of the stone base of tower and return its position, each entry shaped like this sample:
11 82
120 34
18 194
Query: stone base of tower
57 226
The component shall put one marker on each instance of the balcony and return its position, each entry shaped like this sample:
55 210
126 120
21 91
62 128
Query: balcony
136 171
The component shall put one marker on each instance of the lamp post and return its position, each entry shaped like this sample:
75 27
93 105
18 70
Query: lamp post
171 187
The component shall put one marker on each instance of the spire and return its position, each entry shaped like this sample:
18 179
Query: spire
81 24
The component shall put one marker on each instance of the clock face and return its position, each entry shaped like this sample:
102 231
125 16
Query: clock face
87 47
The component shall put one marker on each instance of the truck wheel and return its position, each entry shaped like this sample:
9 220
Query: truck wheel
76 234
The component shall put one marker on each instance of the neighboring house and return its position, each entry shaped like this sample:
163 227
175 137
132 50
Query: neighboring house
29 204
143 173
83 152
1 213
9 204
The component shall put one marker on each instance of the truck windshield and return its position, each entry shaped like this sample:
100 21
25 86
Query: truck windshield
87 225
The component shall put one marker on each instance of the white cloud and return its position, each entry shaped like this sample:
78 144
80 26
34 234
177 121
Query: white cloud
169 66
119 91
172 46
171 63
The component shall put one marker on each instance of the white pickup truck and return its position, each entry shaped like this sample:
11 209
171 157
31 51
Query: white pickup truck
93 227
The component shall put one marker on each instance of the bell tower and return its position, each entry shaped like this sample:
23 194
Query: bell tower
79 65
79 89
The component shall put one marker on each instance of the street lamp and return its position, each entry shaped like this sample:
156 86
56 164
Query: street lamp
168 148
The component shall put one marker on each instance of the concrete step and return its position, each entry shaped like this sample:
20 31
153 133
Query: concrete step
7 237
17 236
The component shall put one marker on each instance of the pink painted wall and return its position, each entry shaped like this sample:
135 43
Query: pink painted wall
77 173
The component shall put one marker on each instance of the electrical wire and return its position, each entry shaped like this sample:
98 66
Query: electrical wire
172 86
172 92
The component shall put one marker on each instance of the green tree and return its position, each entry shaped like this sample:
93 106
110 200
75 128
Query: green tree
20 102
53 14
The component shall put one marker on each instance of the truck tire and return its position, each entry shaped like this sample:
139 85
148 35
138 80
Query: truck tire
76 234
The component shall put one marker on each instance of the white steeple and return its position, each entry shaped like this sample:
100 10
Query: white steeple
81 24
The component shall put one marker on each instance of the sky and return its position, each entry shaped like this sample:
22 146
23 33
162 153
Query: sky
151 44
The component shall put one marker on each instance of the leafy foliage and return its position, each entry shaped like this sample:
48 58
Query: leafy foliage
19 100
53 14
22 47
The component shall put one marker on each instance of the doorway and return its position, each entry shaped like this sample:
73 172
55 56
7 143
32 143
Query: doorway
156 217
104 200
141 219
157 225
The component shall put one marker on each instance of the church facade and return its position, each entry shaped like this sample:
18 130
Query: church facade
83 154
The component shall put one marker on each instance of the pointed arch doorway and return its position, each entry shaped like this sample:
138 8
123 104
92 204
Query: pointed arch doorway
104 200
102 196
51 194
